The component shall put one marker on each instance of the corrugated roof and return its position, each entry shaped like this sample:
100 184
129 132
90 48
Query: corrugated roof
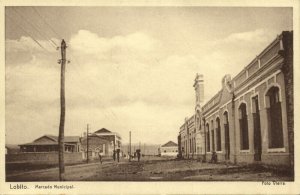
170 144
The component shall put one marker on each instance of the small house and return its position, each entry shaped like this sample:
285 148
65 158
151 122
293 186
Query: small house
49 143
169 149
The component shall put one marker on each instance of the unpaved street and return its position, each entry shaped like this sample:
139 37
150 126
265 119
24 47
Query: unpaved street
152 169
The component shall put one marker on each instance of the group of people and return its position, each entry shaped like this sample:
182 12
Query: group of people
116 155
137 154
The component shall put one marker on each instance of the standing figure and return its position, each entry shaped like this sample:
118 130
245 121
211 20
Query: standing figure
100 157
114 155
118 155
138 152
214 157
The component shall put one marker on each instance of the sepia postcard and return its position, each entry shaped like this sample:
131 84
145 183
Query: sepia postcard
149 97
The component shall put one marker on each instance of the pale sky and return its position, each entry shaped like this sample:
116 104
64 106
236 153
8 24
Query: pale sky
132 68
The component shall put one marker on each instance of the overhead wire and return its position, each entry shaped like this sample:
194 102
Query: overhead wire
26 32
53 44
49 26
77 66
43 18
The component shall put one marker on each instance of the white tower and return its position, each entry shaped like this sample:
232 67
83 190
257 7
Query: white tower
199 90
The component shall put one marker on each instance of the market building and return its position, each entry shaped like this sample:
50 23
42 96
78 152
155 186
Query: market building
190 139
251 118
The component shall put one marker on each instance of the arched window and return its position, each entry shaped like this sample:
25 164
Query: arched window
198 119
190 145
199 122
226 135
207 138
212 136
218 134
274 113
194 144
244 138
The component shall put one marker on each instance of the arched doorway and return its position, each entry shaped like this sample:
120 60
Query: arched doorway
257 130
212 136
243 120
275 130
218 134
207 138
227 138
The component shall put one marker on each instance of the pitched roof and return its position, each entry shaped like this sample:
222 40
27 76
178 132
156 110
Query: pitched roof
170 144
11 146
103 130
53 140
39 144
72 139
51 137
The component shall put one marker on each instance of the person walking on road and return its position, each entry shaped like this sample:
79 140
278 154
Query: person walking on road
114 155
118 155
100 157
138 152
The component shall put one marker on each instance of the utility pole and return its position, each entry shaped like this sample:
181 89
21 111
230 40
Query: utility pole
114 153
61 147
205 149
87 143
129 146
139 145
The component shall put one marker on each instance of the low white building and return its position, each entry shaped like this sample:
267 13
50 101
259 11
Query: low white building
169 149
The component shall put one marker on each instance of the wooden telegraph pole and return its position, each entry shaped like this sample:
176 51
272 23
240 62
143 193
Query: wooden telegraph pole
129 145
62 113
87 143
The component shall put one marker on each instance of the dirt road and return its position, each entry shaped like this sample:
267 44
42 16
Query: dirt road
152 170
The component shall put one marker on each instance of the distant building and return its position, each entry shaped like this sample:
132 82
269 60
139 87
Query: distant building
12 149
188 138
44 150
113 137
49 143
146 149
169 149
251 118
96 145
